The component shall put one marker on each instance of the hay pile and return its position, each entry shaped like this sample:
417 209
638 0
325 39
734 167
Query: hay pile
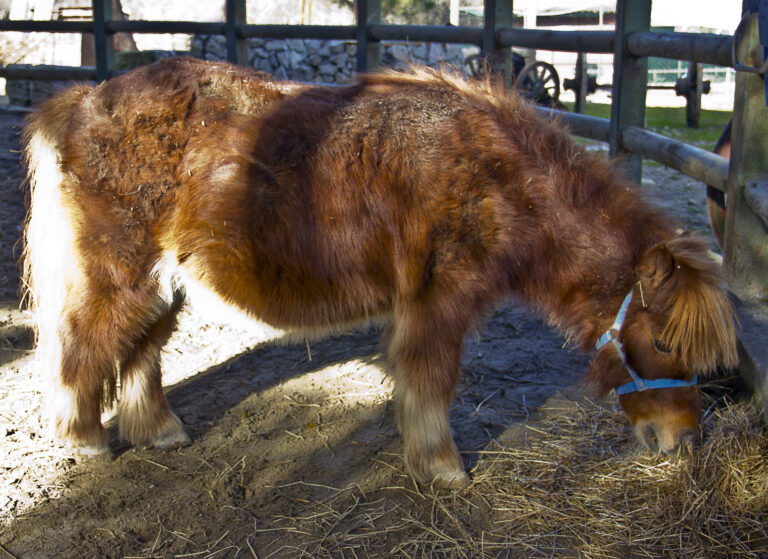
571 484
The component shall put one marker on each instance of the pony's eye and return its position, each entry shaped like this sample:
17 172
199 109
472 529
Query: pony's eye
661 347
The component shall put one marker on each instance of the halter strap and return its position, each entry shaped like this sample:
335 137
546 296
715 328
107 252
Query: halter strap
653 384
637 384
617 324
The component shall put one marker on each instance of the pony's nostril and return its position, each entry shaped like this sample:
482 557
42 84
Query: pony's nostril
651 438
685 441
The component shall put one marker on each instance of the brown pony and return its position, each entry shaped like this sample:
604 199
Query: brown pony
419 199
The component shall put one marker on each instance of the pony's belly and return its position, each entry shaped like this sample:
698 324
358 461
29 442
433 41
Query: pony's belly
292 319
205 302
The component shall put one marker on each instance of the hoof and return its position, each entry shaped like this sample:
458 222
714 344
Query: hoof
452 480
89 452
94 446
172 437
172 440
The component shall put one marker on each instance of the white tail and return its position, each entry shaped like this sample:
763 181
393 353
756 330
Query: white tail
50 256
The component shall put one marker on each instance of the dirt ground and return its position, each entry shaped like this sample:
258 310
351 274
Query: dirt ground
280 431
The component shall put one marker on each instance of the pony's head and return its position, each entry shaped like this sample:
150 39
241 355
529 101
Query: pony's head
675 323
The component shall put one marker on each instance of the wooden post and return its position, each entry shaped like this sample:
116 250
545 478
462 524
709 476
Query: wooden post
368 52
746 232
746 220
237 47
630 80
103 42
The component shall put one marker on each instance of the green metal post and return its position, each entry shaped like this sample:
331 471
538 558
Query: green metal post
237 47
630 81
368 51
498 14
103 40
489 28
583 79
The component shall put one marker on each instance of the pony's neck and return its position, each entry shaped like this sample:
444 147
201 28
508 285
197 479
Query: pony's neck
594 262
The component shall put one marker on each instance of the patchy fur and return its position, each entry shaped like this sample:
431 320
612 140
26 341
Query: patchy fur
417 198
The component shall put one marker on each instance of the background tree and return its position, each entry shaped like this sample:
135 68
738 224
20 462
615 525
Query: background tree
419 12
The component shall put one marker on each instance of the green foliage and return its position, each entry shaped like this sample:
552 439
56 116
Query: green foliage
418 12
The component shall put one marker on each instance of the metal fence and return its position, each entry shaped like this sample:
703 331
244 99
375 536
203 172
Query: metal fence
496 34
631 44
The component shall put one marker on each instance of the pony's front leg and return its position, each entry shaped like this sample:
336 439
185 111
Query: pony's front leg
425 351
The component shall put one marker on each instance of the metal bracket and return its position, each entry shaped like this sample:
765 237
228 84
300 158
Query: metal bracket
756 9
756 195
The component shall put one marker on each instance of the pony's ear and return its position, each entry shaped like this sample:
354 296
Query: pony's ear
688 287
656 266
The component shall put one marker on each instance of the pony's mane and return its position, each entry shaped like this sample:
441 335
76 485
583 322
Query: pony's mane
487 93
701 318
551 145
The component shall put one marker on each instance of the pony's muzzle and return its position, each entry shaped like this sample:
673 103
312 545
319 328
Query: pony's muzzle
667 439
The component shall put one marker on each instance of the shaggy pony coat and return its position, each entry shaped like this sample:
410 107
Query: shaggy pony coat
418 198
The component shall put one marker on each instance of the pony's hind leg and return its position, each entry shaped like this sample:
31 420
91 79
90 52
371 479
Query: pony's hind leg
144 417
425 352
103 327
78 387
95 328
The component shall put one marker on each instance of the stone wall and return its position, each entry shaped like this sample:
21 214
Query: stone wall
331 62
305 60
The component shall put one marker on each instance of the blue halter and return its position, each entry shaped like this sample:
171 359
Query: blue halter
637 384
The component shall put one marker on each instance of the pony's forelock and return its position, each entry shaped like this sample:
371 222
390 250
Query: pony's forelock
701 325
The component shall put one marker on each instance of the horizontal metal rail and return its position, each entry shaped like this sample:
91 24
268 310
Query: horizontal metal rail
45 72
339 32
591 127
426 33
694 47
567 41
381 32
689 160
47 26
190 27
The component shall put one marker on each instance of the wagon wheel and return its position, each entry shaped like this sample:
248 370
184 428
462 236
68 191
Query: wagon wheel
474 65
716 202
539 82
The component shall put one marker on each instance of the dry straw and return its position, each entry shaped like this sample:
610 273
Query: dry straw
571 485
